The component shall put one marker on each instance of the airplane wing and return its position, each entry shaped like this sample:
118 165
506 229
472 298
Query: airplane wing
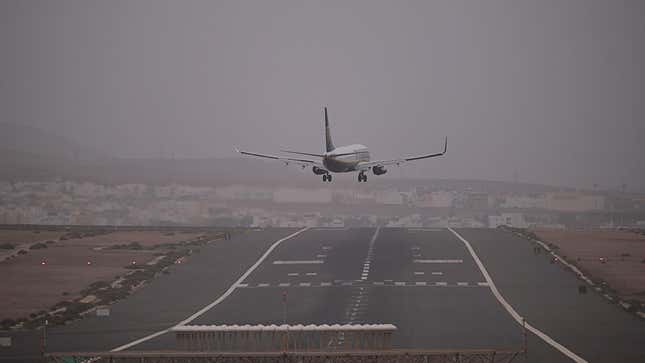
286 161
369 164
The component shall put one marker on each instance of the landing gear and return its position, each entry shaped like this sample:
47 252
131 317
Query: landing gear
327 178
362 177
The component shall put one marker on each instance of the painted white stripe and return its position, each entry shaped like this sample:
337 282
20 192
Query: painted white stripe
437 273
441 284
510 309
311 274
293 274
378 283
218 300
298 262
421 283
399 283
462 284
482 283
321 256
242 285
284 284
263 285
305 284
325 284
347 283
438 261
419 273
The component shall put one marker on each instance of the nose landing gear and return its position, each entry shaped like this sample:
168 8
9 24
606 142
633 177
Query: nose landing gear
362 177
326 177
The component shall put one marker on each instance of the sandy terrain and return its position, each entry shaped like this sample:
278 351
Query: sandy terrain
29 286
622 252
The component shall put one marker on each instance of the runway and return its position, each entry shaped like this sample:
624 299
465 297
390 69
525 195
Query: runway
424 281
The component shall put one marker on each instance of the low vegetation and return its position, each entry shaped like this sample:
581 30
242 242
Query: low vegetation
7 246
38 246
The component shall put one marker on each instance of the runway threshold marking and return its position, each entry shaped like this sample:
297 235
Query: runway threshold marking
216 301
519 319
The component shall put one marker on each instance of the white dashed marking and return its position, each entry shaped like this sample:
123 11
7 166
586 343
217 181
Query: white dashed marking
242 285
293 274
305 284
263 285
438 261
325 284
421 283
419 273
284 284
399 283
298 262
462 284
311 274
441 284
437 273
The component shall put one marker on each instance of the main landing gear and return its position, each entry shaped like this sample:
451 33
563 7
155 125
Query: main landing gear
327 178
362 177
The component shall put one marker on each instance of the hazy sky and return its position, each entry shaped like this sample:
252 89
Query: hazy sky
551 89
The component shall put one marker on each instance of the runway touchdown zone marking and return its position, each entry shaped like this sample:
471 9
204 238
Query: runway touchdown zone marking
217 301
520 320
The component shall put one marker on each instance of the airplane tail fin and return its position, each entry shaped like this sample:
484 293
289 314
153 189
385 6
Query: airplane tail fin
329 145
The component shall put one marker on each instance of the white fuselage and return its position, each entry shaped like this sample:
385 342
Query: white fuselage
350 157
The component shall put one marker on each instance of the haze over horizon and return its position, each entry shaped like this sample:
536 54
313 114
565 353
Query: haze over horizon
548 90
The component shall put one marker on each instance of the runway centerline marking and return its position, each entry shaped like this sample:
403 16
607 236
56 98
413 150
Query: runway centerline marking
438 261
298 262
216 301
370 251
521 321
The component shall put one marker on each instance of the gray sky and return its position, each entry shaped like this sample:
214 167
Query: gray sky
553 89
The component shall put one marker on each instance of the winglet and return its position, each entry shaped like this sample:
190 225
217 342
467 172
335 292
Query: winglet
445 145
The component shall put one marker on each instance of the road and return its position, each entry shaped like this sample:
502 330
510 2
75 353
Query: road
425 281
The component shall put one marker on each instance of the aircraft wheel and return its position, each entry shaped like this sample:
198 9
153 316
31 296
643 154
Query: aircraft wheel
324 177
329 178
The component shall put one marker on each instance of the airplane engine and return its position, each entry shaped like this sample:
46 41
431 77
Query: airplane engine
379 170
318 171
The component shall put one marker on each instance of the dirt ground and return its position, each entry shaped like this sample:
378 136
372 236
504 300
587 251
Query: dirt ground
623 253
29 286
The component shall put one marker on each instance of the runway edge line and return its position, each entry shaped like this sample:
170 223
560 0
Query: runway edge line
218 300
511 310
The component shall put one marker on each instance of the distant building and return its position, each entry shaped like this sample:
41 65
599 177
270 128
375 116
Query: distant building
574 202
298 195
524 202
390 196
426 199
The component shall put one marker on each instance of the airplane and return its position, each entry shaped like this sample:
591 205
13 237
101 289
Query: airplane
344 159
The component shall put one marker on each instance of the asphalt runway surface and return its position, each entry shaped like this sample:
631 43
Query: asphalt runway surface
424 281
